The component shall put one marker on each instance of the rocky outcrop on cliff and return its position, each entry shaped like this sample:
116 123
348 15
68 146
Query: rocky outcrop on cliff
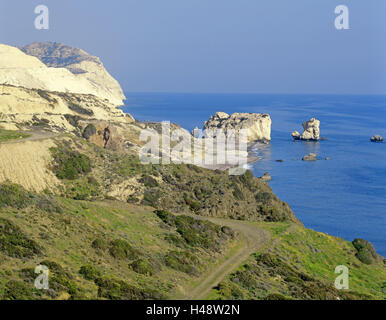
56 111
257 125
58 88
311 131
84 66
85 75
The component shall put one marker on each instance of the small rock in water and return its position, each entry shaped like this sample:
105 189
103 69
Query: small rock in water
280 160
296 135
309 157
266 177
377 138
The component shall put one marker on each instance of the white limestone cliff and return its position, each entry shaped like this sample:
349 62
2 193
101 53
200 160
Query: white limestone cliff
257 125
86 76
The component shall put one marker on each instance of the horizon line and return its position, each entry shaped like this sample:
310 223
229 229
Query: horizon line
254 93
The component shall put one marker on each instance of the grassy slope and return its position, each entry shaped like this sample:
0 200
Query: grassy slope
157 258
297 251
66 238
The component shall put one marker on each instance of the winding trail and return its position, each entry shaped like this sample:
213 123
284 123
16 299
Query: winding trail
34 135
252 239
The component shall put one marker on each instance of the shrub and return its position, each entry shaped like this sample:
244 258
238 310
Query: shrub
121 249
18 290
89 272
99 244
237 193
183 261
145 266
148 181
70 164
229 290
89 131
151 197
82 189
62 281
193 204
14 243
48 204
365 251
13 195
276 296
120 290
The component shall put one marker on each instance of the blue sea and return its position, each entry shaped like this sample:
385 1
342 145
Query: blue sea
345 196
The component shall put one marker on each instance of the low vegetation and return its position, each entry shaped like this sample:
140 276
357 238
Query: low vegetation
7 135
302 266
99 250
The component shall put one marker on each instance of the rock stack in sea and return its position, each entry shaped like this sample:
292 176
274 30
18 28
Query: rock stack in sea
377 138
311 131
257 125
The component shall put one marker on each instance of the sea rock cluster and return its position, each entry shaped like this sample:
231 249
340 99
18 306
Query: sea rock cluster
257 125
311 131
376 138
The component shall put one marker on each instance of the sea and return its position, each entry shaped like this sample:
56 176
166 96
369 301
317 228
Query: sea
344 196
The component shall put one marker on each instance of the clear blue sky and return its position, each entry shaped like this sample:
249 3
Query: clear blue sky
263 46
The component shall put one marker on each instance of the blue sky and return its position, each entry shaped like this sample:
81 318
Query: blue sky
230 46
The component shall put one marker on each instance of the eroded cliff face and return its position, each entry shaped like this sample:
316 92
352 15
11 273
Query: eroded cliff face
83 65
257 125
77 73
27 163
25 108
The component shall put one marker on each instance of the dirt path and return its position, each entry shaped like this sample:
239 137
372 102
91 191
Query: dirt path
253 238
34 136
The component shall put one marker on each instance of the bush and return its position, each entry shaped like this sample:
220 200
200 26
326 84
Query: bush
237 193
120 290
89 272
276 296
18 290
365 251
196 233
145 266
148 181
82 189
48 204
13 195
89 131
121 249
193 204
61 281
151 197
14 243
70 164
99 244
183 261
